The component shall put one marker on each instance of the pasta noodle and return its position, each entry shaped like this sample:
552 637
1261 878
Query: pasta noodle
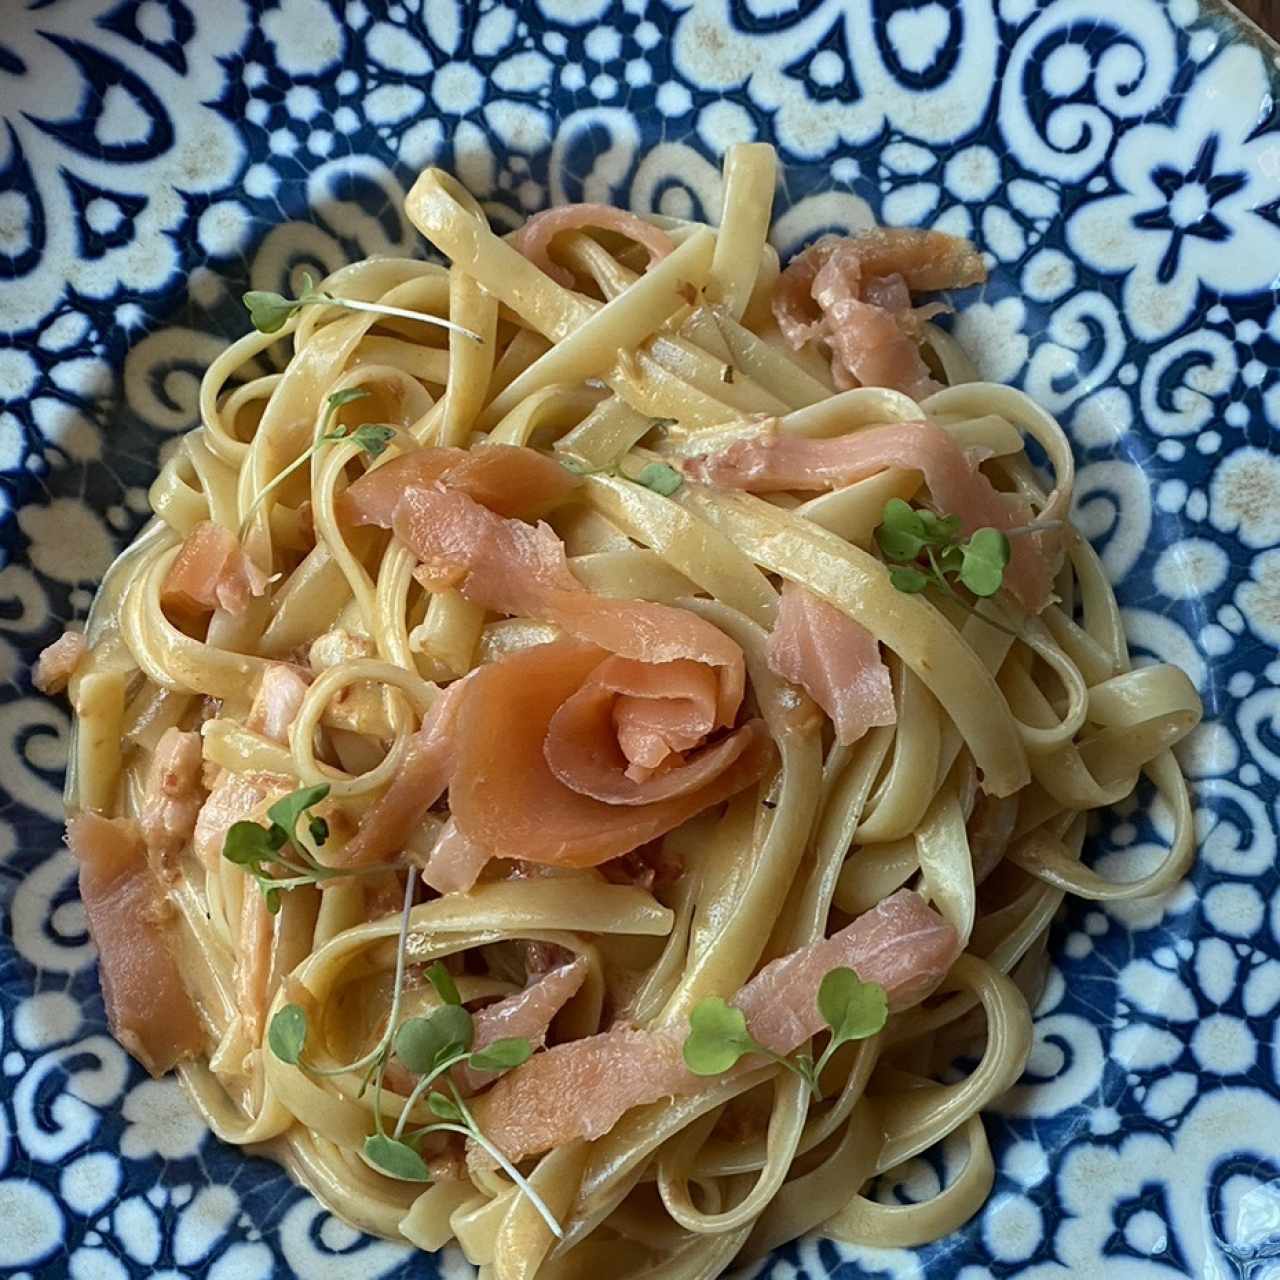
763 730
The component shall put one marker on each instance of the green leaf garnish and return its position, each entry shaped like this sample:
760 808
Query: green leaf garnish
396 1159
423 1043
852 1009
717 1037
288 809
660 478
909 581
442 980
287 1034
270 312
501 1055
372 438
431 1046
335 400
333 403
441 1106
985 558
247 844
902 534
655 475
927 549
260 849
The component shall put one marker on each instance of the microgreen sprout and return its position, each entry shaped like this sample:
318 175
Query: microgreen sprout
270 312
263 850
430 1046
657 476
718 1037
371 438
927 550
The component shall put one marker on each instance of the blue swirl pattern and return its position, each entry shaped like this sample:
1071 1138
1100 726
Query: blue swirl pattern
1120 164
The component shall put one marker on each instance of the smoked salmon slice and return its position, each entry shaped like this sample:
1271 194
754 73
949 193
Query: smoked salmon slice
237 796
509 480
854 292
835 659
148 1007
534 239
525 1014
582 1088
630 720
506 798
772 463
421 781
211 571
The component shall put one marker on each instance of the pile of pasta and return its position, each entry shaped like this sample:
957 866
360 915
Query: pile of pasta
632 355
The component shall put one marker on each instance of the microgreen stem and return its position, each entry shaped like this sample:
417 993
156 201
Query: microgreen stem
1045 526
379 1051
302 459
473 1131
425 1083
400 313
940 580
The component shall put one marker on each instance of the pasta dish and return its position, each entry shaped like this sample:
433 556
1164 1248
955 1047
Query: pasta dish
586 754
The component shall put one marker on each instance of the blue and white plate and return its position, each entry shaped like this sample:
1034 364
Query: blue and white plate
1121 165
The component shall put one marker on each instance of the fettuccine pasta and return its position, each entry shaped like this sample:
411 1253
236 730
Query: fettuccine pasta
594 731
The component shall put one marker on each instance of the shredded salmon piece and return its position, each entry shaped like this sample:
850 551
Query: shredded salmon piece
507 479
505 796
854 293
57 662
232 798
211 571
651 867
336 646
582 1088
772 463
525 1015
383 895
455 862
420 782
279 699
534 239
236 797
835 660
148 1007
173 794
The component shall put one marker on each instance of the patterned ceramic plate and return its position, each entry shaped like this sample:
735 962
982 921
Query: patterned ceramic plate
1121 165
